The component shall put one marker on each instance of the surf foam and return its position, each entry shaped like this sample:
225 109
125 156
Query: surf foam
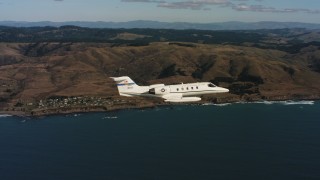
4 115
286 103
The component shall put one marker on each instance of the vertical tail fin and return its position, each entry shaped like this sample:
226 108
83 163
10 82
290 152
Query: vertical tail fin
125 85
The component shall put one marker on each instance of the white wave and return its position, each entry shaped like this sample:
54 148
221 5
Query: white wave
110 117
224 104
212 104
297 102
207 104
289 102
266 102
5 115
257 102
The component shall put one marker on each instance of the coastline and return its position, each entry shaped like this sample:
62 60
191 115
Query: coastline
72 110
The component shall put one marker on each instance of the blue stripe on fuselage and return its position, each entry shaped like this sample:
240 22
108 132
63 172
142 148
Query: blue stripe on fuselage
128 84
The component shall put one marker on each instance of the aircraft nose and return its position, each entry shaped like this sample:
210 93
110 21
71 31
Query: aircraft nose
225 90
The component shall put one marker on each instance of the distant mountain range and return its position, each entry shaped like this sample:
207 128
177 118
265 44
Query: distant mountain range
232 25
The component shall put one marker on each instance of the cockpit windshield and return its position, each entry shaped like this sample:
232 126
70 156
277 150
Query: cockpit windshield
211 85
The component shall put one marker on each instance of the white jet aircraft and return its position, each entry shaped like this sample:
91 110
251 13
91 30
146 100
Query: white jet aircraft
171 93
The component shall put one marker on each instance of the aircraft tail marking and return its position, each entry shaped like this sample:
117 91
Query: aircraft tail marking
125 84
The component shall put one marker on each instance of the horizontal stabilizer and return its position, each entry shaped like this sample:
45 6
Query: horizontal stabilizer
123 81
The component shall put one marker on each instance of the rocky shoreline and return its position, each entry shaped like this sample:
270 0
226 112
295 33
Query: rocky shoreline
143 103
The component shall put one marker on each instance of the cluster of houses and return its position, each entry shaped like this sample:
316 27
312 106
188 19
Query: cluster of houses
81 101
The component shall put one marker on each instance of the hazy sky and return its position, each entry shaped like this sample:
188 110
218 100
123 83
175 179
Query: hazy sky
161 10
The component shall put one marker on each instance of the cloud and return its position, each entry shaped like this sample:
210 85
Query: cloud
144 1
261 8
194 5
237 5
256 8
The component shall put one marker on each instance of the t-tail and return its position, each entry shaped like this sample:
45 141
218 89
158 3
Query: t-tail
125 85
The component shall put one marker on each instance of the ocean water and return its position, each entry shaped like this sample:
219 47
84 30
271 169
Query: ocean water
269 140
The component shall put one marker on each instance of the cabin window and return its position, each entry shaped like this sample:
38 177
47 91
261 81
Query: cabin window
177 89
191 87
211 85
197 87
187 88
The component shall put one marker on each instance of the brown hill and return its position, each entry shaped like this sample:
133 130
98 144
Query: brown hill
33 72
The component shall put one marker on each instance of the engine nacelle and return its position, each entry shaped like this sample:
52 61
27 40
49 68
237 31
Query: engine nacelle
160 90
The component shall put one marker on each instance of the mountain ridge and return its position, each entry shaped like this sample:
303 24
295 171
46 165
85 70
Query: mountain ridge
230 25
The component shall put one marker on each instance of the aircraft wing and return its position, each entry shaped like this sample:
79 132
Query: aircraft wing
177 97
